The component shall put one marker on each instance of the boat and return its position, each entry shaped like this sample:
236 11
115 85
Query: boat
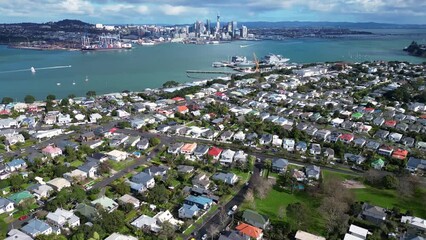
147 43
272 59
32 69
105 42
58 84
87 79
219 64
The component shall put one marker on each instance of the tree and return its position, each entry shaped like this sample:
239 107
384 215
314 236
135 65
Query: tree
29 99
71 96
159 194
213 230
104 167
390 181
169 84
124 125
154 141
64 102
299 214
25 134
167 231
91 94
112 222
16 181
268 166
262 186
50 97
122 188
7 100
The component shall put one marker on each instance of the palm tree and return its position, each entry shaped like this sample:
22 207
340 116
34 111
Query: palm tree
267 166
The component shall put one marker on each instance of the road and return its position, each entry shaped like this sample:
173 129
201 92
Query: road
220 219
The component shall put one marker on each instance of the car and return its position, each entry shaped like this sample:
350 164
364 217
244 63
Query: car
204 237
230 212
234 208
23 218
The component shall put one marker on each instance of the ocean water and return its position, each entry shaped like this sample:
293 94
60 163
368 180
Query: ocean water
151 66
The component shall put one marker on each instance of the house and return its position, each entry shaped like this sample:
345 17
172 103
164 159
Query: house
400 154
201 181
249 230
20 197
265 139
378 164
129 199
118 236
215 152
226 136
14 139
372 145
182 109
279 165
97 157
357 159
174 148
75 175
298 175
227 156
381 134
395 137
356 233
89 168
240 156
154 170
315 149
42 191
346 138
51 151
416 164
288 144
301 146
408 141
16 164
117 155
255 219
87 211
228 178
373 214
59 183
302 235
87 136
144 179
414 222
201 151
239 136
146 222
203 203
37 227
359 142
313 172
62 218
143 144
107 203
385 150
329 153
188 211
166 216
188 148
15 234
6 205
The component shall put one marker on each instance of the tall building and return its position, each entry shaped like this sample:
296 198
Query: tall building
217 23
208 26
234 28
244 32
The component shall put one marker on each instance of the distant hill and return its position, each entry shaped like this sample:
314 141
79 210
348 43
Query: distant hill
416 49
69 22
351 25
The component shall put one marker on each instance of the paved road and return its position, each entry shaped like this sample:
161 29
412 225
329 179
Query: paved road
218 221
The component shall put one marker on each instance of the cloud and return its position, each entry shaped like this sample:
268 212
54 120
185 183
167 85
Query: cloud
171 10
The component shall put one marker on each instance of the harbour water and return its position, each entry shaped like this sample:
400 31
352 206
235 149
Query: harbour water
151 66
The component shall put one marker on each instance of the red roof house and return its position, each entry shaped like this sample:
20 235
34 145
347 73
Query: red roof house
390 123
178 99
400 154
249 230
215 152
347 137
182 109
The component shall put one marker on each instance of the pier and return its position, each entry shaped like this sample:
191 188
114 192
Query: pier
209 72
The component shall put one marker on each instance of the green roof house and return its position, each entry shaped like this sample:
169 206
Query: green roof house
19 197
107 203
378 164
357 115
255 219
87 211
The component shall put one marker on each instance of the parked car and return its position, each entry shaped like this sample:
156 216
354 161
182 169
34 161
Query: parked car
23 218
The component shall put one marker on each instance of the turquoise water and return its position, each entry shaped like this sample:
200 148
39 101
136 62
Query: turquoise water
151 66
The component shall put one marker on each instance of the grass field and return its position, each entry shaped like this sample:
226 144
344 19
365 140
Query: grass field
76 163
279 198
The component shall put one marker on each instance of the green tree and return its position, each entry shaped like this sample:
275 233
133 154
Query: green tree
299 215
154 141
169 84
113 222
25 134
268 166
390 181
50 97
91 94
158 194
6 100
64 102
29 99
122 188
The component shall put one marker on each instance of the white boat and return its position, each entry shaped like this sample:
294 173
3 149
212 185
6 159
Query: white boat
58 84
147 43
272 59
87 79
32 69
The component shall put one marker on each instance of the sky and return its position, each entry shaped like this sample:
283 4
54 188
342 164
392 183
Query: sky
188 11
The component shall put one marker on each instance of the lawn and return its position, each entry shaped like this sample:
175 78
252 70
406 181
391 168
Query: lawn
279 198
3 229
76 163
390 198
118 166
244 176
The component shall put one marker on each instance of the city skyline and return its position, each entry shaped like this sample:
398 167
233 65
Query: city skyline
185 11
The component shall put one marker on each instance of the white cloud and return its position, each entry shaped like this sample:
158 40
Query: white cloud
171 10
76 7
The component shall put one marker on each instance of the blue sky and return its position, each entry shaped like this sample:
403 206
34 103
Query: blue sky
188 11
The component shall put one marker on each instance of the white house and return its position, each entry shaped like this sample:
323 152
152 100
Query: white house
117 155
6 205
62 218
288 144
227 156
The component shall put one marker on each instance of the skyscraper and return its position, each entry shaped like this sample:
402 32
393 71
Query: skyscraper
208 26
244 32
217 23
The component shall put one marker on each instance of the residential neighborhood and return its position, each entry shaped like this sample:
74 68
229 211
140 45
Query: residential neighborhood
324 151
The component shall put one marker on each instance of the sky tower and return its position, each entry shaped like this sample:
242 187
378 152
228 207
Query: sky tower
217 23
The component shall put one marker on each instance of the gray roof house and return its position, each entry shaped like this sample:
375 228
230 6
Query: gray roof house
373 214
313 171
145 179
228 178
255 219
201 150
279 165
37 227
416 164
188 211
